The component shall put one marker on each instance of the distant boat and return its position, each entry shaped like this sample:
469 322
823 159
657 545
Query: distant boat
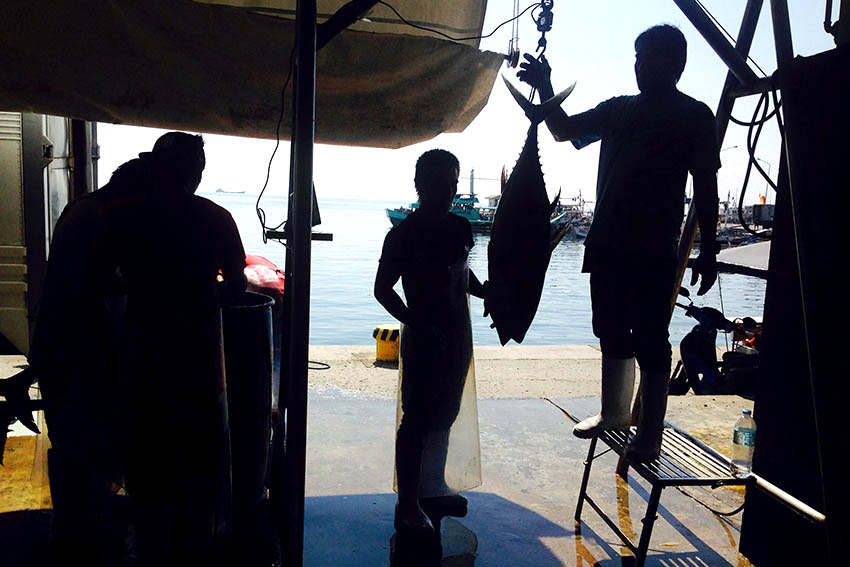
466 206
480 217
230 192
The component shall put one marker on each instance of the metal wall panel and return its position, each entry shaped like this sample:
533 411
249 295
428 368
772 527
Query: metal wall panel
13 269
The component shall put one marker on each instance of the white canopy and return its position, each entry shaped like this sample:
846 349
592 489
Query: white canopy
218 66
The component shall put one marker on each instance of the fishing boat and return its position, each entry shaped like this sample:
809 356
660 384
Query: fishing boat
464 205
480 217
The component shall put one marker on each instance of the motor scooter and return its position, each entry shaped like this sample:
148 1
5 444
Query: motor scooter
699 368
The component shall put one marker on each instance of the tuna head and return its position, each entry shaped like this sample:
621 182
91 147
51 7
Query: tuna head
520 241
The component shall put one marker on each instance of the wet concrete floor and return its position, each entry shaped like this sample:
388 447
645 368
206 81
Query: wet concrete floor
523 512
522 515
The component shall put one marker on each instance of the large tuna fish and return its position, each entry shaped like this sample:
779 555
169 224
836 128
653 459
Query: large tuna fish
521 241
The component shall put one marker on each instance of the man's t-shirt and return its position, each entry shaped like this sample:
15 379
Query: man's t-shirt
649 144
432 260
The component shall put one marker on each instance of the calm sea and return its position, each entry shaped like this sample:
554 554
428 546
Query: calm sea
344 311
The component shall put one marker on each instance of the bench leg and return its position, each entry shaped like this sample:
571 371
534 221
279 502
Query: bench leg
587 464
648 522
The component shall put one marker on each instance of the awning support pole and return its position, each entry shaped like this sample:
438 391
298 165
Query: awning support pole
724 111
342 18
298 336
734 58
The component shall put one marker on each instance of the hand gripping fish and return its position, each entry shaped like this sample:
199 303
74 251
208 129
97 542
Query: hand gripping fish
520 241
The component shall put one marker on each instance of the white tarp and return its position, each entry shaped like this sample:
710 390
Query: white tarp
215 68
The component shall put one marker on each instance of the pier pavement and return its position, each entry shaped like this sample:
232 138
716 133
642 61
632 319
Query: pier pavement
522 515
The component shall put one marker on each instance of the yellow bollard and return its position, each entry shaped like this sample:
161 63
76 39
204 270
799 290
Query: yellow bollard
386 337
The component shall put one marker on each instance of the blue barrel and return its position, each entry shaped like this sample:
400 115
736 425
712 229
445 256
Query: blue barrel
247 330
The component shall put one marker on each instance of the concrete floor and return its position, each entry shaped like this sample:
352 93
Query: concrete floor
523 512
522 515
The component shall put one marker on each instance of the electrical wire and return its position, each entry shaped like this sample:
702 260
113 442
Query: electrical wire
401 18
753 134
261 214
710 509
315 365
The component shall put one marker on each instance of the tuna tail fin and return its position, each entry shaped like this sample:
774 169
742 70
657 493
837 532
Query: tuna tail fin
537 113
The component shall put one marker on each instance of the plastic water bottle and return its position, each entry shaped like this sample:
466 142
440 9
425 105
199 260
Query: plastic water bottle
743 443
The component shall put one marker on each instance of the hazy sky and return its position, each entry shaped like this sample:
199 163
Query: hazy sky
591 43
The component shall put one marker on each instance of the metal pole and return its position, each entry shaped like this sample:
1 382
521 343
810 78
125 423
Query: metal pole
724 111
300 247
731 55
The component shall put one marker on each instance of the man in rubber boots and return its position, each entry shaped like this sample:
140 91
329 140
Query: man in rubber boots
650 142
429 252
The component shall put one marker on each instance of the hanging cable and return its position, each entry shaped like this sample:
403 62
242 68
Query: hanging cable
710 509
513 45
755 126
261 214
441 34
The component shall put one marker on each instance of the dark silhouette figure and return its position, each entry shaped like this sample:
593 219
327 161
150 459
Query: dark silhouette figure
650 142
172 245
429 252
74 354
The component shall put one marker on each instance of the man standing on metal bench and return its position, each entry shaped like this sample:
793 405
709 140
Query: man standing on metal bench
650 142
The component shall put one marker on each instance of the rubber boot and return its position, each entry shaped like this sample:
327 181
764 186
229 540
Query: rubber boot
409 516
646 444
618 385
78 492
439 500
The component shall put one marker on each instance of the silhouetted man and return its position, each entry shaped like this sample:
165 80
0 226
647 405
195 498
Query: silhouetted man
429 252
172 247
74 354
649 144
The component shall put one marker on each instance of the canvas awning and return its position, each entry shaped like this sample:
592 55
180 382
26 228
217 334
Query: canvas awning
218 67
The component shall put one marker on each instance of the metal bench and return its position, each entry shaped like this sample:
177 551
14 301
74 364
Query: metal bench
684 461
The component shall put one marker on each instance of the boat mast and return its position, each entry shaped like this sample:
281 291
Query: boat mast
472 182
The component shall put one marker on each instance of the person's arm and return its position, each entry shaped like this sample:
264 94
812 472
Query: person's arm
476 288
706 203
538 75
233 260
386 278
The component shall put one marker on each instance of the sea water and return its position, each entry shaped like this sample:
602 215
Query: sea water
343 309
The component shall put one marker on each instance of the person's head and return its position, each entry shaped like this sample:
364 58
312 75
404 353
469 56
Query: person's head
660 55
179 160
436 179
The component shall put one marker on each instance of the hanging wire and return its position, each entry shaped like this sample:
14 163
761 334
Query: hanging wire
261 214
712 510
753 134
441 34
513 45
